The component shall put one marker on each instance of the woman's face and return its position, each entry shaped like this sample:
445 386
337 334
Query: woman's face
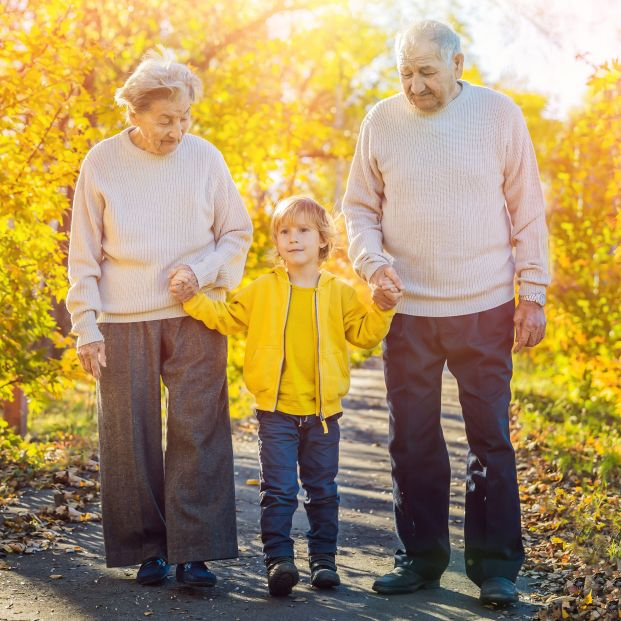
159 129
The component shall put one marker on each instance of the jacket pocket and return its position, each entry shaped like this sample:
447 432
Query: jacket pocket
335 368
262 370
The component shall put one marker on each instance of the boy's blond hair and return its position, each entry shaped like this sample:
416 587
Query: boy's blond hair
302 208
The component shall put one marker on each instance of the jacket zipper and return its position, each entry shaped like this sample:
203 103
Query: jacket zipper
284 331
321 416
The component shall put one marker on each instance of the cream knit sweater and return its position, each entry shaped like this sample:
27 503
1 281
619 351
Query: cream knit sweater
445 197
136 215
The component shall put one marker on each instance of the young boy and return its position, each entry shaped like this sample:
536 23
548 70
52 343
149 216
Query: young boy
299 320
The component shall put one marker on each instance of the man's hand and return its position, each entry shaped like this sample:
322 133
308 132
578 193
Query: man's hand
386 286
183 284
530 325
92 356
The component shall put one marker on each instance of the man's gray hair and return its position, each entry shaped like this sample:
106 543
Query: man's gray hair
446 38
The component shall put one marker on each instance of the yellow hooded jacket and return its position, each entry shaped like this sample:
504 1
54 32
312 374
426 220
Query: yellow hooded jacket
262 309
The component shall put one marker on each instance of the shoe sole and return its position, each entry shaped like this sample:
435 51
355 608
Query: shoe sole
283 584
429 584
499 600
207 583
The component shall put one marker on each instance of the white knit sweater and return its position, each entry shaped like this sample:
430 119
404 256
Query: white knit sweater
446 197
136 215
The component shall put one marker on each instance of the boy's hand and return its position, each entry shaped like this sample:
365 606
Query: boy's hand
385 284
183 284
389 302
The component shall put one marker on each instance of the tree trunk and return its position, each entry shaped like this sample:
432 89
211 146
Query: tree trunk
16 412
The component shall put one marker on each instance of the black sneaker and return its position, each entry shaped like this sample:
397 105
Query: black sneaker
323 571
153 571
195 573
282 575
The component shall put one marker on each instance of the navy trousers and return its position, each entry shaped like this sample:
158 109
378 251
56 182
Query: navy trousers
477 349
284 442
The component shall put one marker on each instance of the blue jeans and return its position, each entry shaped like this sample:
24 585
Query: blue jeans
284 442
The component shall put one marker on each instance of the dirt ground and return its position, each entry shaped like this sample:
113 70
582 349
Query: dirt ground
86 590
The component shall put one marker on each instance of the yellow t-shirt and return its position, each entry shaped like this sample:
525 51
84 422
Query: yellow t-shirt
297 383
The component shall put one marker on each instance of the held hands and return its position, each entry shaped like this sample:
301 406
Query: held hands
183 283
530 325
387 287
92 357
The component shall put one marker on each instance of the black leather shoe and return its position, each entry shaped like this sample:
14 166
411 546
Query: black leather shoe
403 579
153 571
498 591
323 571
195 573
282 575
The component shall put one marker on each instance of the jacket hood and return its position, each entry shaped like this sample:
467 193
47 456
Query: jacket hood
324 276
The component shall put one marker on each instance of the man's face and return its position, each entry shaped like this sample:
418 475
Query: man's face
427 81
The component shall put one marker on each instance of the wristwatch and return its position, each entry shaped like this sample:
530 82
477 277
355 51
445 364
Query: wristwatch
538 298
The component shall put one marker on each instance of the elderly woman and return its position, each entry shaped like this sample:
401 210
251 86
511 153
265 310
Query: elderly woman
150 201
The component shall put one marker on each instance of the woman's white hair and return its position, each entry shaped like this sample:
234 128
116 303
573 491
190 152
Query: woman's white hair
158 76
446 38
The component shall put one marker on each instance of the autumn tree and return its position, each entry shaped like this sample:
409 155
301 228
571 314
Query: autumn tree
44 131
583 345
284 92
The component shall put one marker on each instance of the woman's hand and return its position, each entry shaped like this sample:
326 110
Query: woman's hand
183 284
92 356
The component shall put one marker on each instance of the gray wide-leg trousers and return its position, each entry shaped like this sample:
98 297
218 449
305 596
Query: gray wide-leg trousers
179 504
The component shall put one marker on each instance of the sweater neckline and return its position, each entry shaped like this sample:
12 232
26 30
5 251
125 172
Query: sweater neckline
147 155
454 104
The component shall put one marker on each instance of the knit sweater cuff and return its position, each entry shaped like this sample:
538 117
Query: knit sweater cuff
529 288
211 274
88 331
371 265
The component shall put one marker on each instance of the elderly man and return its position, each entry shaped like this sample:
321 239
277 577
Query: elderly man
443 186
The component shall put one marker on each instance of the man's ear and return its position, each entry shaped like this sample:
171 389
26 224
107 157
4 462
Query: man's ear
458 65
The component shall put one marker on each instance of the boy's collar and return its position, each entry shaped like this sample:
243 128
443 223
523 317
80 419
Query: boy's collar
324 276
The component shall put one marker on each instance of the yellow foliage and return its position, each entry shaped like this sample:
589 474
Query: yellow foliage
286 86
583 171
283 100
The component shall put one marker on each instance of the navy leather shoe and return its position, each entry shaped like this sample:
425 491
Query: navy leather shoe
195 573
153 571
498 591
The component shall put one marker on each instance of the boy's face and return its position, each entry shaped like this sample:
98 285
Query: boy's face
298 243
